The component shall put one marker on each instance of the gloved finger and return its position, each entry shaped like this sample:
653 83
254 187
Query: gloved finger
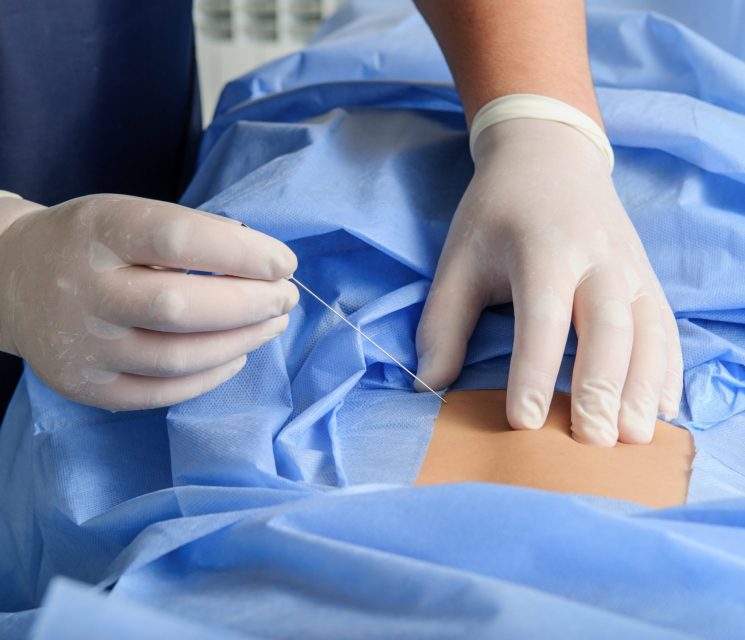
603 320
168 235
153 353
672 388
641 392
452 308
543 313
176 302
125 392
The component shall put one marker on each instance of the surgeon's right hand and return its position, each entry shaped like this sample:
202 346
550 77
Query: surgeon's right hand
93 295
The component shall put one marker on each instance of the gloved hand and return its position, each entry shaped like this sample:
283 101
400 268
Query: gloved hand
541 224
94 297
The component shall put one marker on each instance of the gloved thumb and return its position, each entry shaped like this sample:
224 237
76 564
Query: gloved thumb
448 320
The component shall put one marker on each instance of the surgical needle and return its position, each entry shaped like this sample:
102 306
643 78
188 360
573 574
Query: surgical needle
365 336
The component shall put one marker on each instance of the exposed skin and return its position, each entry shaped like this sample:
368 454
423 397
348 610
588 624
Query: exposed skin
494 48
499 47
542 226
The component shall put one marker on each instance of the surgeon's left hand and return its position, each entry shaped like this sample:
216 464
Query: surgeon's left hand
541 224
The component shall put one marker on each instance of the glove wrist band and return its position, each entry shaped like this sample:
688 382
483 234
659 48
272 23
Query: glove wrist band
528 105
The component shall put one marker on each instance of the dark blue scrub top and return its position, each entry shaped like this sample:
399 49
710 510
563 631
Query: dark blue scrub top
96 96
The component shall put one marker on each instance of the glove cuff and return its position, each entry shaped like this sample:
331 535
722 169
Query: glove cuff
528 105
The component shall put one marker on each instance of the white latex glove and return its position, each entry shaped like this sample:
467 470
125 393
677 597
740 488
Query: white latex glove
92 295
541 224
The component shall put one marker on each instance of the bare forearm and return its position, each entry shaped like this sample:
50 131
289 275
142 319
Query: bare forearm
500 47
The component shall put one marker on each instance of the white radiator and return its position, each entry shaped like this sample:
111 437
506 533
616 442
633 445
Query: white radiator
234 36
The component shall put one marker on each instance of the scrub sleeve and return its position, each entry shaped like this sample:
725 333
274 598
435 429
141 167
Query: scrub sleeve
96 96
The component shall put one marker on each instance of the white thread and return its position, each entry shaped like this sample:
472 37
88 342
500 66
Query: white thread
365 336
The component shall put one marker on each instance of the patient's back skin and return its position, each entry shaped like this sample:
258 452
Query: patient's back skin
472 441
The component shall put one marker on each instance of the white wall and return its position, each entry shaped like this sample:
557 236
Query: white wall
234 36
